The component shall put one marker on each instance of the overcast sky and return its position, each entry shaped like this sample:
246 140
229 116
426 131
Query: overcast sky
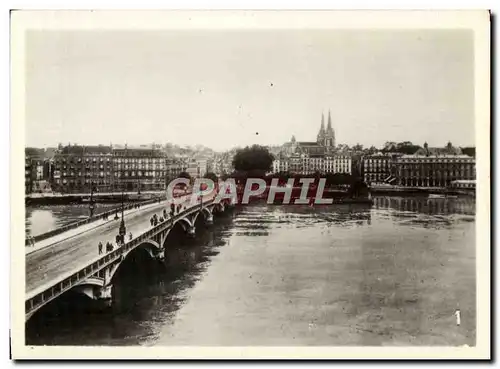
233 88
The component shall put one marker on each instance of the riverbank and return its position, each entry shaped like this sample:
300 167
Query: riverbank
336 196
404 191
82 198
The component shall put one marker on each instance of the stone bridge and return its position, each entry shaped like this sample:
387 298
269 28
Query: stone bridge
74 262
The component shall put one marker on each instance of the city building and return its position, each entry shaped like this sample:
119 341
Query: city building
78 169
321 156
174 167
379 168
305 164
37 168
280 164
435 167
197 168
324 144
223 163
141 168
463 184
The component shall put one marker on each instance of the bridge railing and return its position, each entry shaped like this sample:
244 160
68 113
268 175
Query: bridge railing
77 224
40 298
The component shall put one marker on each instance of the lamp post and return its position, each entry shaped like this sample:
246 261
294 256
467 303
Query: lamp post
91 204
122 230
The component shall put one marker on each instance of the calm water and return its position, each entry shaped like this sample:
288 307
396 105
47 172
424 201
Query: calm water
41 219
392 274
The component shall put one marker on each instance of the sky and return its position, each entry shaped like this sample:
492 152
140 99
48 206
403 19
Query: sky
229 88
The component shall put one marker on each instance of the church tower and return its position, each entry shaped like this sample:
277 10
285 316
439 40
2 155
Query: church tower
321 134
329 137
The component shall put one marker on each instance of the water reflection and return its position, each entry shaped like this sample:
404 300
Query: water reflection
41 219
442 206
391 274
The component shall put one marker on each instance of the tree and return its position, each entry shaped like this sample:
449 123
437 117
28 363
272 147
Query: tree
470 151
185 175
358 189
212 176
358 147
253 159
405 147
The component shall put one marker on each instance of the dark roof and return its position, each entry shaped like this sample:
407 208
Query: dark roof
304 143
97 149
436 151
85 150
33 151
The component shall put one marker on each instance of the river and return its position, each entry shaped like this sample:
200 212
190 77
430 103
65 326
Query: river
391 274
41 219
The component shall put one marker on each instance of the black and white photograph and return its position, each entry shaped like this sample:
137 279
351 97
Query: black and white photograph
306 184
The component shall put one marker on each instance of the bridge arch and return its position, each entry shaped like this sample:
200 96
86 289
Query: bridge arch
150 247
185 223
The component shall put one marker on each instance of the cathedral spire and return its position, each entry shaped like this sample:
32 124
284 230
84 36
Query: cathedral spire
329 128
322 129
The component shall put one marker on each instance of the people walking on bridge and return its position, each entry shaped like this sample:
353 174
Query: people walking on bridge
152 221
100 247
130 236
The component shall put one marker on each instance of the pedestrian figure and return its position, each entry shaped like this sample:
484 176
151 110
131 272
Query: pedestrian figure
151 221
100 247
117 239
130 236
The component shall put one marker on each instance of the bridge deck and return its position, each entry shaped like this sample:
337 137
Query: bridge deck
48 264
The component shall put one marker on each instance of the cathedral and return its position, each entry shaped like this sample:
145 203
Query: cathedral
325 142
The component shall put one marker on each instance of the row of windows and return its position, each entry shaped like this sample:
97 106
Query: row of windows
94 181
464 185
71 167
108 173
438 166
108 160
137 166
139 160
437 170
438 174
143 155
80 160
437 160
139 174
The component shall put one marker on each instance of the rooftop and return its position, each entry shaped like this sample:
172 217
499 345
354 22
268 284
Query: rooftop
448 156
